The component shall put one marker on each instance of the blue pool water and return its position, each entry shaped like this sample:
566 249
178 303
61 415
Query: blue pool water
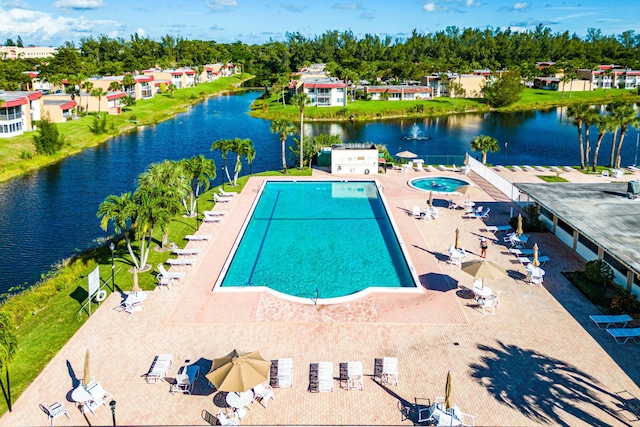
335 237
437 184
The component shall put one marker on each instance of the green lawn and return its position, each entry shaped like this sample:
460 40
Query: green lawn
48 314
78 136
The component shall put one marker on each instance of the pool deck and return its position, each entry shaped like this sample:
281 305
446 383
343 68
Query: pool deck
538 361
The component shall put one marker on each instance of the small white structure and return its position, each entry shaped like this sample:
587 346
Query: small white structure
354 159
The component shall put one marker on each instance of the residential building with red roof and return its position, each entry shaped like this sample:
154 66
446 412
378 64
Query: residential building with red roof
18 112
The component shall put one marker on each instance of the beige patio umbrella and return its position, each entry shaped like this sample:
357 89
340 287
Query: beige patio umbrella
135 288
447 392
239 372
457 245
468 190
519 227
481 269
87 369
535 261
406 155
431 198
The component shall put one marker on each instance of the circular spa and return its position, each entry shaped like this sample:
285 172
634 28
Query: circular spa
437 184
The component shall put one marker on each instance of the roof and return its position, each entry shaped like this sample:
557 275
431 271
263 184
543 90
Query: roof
354 146
13 99
398 89
63 104
115 95
324 83
601 212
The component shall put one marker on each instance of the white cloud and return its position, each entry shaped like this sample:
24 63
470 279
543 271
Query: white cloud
430 7
221 5
141 32
472 3
347 6
521 5
15 4
32 23
78 4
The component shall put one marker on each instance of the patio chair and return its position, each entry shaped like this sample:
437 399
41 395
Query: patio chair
262 393
453 205
355 379
185 378
605 173
99 395
189 262
198 237
389 371
212 218
490 303
227 420
173 275
159 368
215 213
556 169
285 372
536 279
325 376
607 321
226 193
54 411
622 335
416 213
498 228
219 199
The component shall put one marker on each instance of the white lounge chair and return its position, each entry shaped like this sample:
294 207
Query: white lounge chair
389 371
498 228
215 213
219 199
189 262
633 169
499 168
516 168
211 218
198 237
285 372
622 335
355 379
430 168
416 213
542 168
528 168
483 215
568 168
173 275
606 321
419 168
226 193
605 173
325 376
54 411
159 368
187 252
556 169
444 168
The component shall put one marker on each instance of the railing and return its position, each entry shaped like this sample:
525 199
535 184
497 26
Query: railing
436 160
495 179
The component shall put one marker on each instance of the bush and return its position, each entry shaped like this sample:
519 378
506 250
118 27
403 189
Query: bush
530 222
596 294
48 140
599 272
26 155
624 302
99 125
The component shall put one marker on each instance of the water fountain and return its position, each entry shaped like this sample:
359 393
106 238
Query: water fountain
415 134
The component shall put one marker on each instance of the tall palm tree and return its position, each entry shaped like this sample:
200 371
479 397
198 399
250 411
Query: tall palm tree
224 145
485 143
242 148
605 124
300 100
119 211
577 113
166 184
8 348
624 115
98 93
88 88
590 118
128 82
199 171
284 127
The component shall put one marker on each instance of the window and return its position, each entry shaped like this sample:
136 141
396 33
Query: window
588 243
615 264
566 227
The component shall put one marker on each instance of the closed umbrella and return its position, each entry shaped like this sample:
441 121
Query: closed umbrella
457 246
87 369
535 262
519 227
447 392
484 270
430 198
135 288
406 155
239 372
466 159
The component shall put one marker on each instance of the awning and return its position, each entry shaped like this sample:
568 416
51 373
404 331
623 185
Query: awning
381 160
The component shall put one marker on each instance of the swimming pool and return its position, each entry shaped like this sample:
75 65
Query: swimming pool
333 237
437 184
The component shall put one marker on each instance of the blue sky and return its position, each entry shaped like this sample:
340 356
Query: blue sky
50 23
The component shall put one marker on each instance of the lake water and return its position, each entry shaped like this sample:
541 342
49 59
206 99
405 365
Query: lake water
51 214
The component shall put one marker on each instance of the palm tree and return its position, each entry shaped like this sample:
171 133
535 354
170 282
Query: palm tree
605 124
224 145
200 171
624 115
283 81
8 348
128 82
88 88
284 127
578 112
118 210
98 93
242 147
166 184
115 86
485 143
590 118
172 88
300 100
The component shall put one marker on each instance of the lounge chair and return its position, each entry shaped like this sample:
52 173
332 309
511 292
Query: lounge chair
499 168
215 213
520 252
633 169
226 193
542 168
285 372
607 321
419 168
528 168
516 168
54 411
325 376
498 228
556 169
389 371
219 199
198 237
211 218
355 379
605 173
227 420
622 335
187 252
189 262
416 213
483 215
159 368
430 168
173 275
443 168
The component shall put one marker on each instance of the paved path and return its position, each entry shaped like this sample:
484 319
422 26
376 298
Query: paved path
538 361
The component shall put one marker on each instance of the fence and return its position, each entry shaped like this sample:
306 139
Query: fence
495 179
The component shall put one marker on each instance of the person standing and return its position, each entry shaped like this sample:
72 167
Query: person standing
483 247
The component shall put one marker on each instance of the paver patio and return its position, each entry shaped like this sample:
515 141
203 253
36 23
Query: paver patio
538 361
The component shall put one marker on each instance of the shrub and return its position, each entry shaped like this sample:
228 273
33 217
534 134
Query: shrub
530 222
624 302
595 294
599 272
48 140
26 155
99 126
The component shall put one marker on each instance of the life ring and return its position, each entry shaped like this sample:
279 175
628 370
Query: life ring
101 295
352 170
366 171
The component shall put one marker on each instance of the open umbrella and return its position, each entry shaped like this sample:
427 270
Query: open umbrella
468 190
135 288
447 392
457 246
481 269
431 198
406 155
87 369
239 372
535 262
519 227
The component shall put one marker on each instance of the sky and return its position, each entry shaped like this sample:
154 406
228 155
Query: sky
51 23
